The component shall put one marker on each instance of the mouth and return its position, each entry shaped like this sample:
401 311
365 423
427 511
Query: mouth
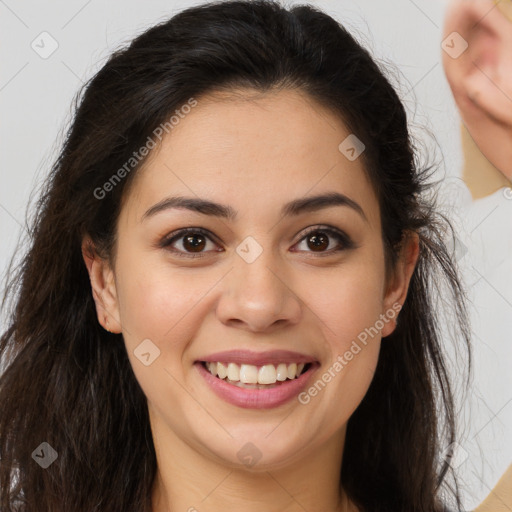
250 376
262 386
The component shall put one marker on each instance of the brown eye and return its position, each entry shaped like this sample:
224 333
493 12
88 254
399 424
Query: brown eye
193 242
319 239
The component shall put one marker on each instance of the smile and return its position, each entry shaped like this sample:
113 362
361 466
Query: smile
252 374
256 387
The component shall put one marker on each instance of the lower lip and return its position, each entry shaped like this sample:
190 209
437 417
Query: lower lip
257 398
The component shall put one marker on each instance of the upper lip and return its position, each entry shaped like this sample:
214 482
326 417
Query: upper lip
258 358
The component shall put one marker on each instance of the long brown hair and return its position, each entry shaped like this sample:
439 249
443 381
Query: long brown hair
67 382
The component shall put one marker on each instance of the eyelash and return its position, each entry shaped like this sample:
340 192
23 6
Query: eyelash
341 237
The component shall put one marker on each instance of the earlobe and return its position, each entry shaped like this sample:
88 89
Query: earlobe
398 286
102 286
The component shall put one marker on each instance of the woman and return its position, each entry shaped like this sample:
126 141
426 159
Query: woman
228 301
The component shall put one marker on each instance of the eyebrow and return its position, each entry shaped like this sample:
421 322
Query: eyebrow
293 208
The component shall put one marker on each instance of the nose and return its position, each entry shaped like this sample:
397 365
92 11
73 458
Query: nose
258 296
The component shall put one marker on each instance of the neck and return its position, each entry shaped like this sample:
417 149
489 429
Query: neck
480 176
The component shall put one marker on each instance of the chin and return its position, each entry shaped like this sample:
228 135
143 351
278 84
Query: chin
257 451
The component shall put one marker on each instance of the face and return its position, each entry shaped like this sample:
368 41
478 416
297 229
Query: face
479 71
303 284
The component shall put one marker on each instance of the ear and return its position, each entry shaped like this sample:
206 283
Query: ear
480 75
398 284
103 287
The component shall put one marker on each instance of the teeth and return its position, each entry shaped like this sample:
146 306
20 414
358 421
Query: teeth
282 372
267 374
292 370
222 371
233 372
250 374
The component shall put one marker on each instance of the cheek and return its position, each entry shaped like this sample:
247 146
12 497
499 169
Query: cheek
159 316
349 305
146 307
159 305
348 300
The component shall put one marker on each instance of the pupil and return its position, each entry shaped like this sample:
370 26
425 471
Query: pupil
195 245
318 241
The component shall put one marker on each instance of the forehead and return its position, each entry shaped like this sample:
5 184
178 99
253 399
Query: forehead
254 150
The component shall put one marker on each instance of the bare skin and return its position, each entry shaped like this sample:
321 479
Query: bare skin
254 155
481 82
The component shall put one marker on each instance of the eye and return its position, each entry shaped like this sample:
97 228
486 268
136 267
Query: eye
318 238
194 241
191 239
